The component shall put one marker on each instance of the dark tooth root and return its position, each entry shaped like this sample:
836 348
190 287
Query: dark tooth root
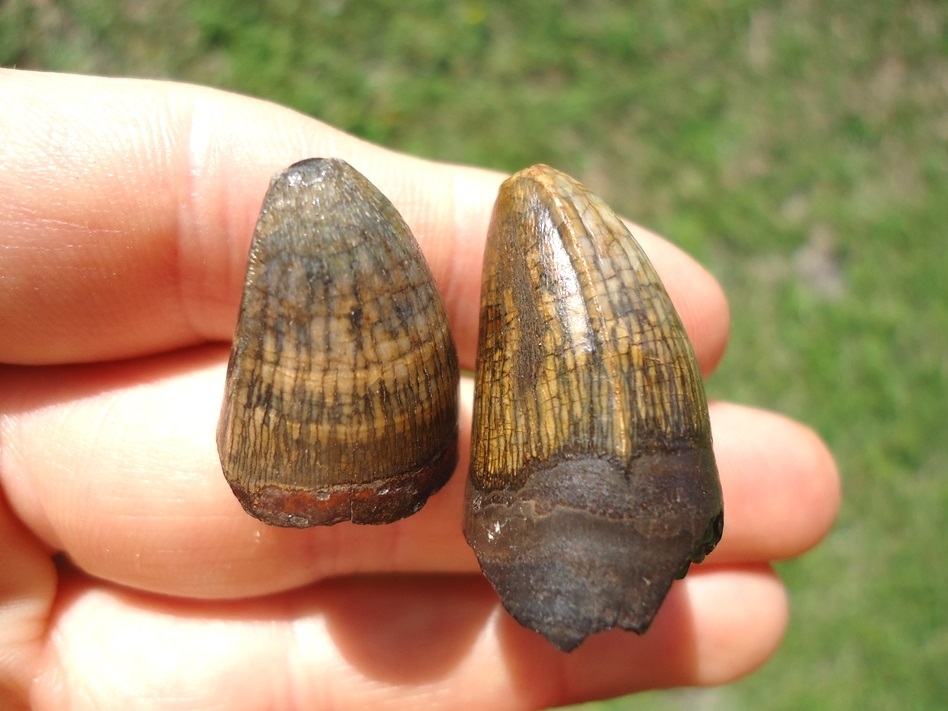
593 484
341 394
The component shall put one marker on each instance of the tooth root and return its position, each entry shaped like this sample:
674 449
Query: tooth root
341 394
592 482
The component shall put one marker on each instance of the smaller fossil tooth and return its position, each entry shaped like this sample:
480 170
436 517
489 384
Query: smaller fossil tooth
341 398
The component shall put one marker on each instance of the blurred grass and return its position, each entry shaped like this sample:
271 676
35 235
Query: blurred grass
798 149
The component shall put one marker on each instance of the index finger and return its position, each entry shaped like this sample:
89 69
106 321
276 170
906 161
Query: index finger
130 206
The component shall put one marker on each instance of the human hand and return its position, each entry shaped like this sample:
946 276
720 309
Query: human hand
130 575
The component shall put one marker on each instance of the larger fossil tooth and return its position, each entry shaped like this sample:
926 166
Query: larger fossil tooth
593 484
341 395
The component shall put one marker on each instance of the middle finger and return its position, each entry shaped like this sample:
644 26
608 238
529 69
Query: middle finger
116 466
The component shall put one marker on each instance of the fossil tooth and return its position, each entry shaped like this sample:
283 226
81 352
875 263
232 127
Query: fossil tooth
341 395
593 484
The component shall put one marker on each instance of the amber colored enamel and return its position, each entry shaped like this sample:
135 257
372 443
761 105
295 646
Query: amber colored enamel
592 483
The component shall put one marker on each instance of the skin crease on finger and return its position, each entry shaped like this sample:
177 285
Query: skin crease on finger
27 590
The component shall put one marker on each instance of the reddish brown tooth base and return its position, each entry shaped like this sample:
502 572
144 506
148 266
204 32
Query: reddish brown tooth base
341 400
593 484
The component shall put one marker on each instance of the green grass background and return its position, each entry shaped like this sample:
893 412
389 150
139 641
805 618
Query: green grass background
799 149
